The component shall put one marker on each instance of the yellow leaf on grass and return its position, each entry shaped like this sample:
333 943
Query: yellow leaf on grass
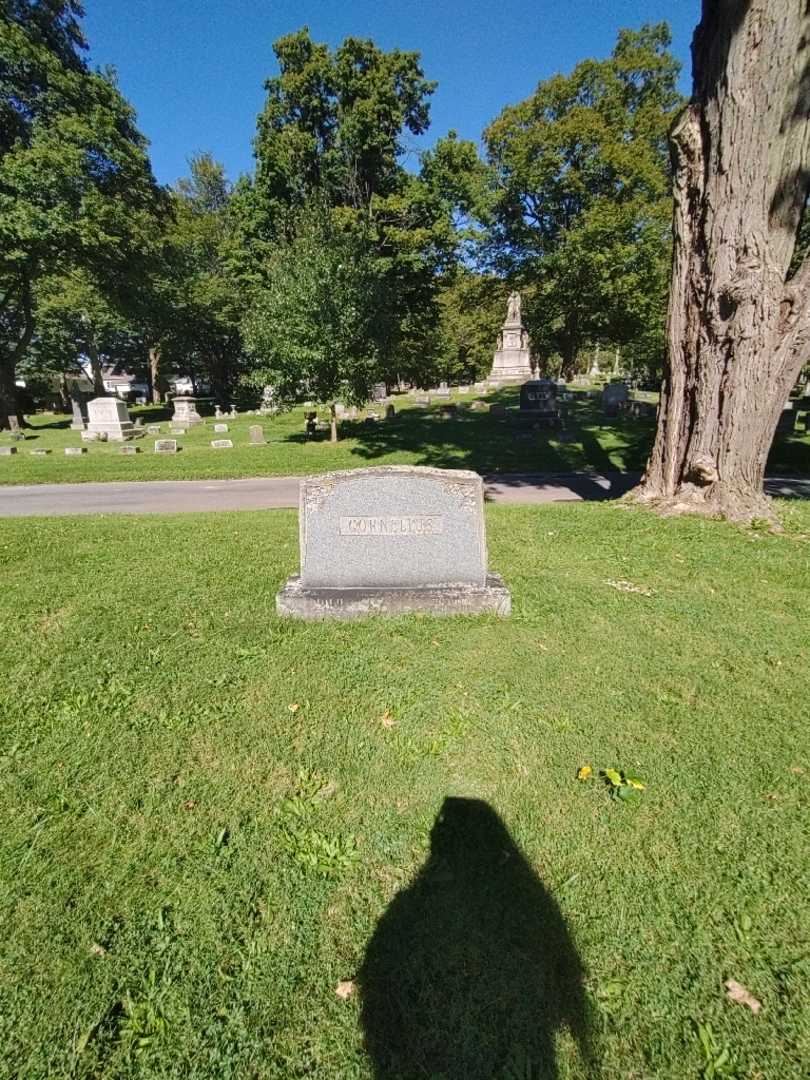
387 719
294 707
585 773
345 989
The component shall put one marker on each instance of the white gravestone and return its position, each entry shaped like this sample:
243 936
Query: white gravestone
109 416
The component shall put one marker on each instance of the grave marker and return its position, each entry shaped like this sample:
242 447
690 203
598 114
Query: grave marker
392 539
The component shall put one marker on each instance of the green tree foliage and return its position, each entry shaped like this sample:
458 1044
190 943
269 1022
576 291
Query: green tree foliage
329 145
583 207
317 325
472 307
76 188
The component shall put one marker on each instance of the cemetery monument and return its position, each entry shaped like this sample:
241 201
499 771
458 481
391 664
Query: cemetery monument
392 539
108 418
513 360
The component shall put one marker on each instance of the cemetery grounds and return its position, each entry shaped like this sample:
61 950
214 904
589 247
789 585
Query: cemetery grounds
209 813
589 441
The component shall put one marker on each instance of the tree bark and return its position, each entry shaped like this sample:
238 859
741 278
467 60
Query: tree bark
9 399
155 375
738 327
95 369
333 425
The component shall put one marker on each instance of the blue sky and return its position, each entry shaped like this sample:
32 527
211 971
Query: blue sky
195 70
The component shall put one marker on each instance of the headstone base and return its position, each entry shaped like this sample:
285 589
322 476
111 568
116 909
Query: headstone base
296 601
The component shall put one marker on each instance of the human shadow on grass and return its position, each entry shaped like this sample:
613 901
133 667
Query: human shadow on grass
471 970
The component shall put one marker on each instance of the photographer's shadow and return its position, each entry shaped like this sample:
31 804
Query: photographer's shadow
471 970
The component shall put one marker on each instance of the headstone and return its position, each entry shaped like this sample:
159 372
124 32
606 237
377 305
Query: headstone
220 428
257 435
422 400
176 430
153 429
222 444
390 412
538 397
75 451
7 451
165 446
513 358
234 413
78 419
463 389
109 416
379 392
129 450
613 396
40 451
138 421
389 540
497 410
93 436
443 390
186 413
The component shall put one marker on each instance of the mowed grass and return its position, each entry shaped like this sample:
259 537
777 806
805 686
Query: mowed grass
587 441
212 817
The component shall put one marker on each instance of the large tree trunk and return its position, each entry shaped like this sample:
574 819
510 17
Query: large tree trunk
156 382
738 327
9 399
96 373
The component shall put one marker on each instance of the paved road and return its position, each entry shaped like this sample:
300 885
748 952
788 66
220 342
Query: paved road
273 492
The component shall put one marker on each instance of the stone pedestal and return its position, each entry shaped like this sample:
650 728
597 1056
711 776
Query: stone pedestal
186 413
109 416
513 361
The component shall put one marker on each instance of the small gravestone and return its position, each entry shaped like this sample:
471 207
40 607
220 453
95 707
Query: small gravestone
422 400
138 421
257 435
7 451
497 410
40 452
153 429
379 392
78 409
177 431
165 446
220 428
389 540
127 450
390 412
109 416
75 451
222 444
443 391
463 389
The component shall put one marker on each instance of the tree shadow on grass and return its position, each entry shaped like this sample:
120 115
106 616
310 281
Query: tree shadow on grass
471 970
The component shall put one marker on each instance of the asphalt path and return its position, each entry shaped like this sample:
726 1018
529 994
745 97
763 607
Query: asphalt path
277 492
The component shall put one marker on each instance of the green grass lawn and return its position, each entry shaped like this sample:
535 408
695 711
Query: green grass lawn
212 818
474 440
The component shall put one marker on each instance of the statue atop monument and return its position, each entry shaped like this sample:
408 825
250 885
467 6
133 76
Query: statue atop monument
513 309
513 358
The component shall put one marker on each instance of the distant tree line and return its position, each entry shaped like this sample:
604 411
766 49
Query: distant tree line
332 266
